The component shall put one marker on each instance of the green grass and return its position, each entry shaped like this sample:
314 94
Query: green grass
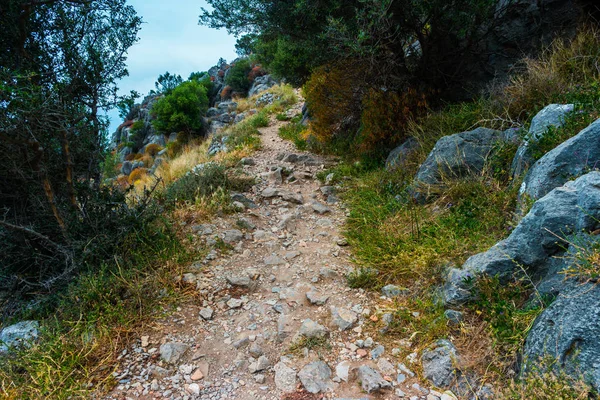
548 386
583 116
508 312
584 259
316 344
97 314
404 240
294 133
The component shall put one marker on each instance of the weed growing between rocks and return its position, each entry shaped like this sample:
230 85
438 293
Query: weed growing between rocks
312 343
584 257
295 132
548 386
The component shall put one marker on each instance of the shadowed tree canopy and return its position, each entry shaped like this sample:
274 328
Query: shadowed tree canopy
60 61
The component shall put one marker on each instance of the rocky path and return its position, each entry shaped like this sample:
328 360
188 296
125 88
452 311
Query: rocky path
275 315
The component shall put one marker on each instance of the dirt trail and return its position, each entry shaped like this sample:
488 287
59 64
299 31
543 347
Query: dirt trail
254 300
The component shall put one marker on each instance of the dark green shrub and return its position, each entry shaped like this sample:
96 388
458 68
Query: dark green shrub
182 109
238 76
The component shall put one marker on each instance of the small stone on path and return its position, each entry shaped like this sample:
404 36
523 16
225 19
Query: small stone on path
207 313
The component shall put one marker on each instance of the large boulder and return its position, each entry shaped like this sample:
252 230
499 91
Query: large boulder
398 157
456 156
552 115
570 159
567 334
572 208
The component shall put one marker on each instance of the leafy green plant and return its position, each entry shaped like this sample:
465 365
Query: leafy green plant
182 109
259 120
237 77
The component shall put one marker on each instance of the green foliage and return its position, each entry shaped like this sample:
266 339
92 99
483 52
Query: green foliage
166 83
573 124
584 258
59 74
198 76
77 346
362 277
506 310
109 165
182 109
419 317
202 183
407 241
295 133
259 120
126 103
500 161
548 386
238 76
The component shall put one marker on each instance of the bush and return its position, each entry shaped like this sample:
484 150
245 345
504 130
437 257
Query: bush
564 70
226 93
153 149
182 109
201 183
137 174
384 118
259 120
331 100
256 72
351 118
237 77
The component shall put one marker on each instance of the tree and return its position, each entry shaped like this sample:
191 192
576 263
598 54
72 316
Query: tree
126 104
182 109
60 61
167 82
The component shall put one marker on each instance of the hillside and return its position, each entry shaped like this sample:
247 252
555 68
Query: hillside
341 212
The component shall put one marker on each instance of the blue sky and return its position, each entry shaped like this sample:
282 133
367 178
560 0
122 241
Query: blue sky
171 40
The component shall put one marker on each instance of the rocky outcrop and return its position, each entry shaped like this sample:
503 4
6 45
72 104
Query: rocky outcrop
572 208
398 157
137 132
566 335
571 159
261 84
456 156
552 115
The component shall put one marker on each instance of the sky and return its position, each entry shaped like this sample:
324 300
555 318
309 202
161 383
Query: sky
171 40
